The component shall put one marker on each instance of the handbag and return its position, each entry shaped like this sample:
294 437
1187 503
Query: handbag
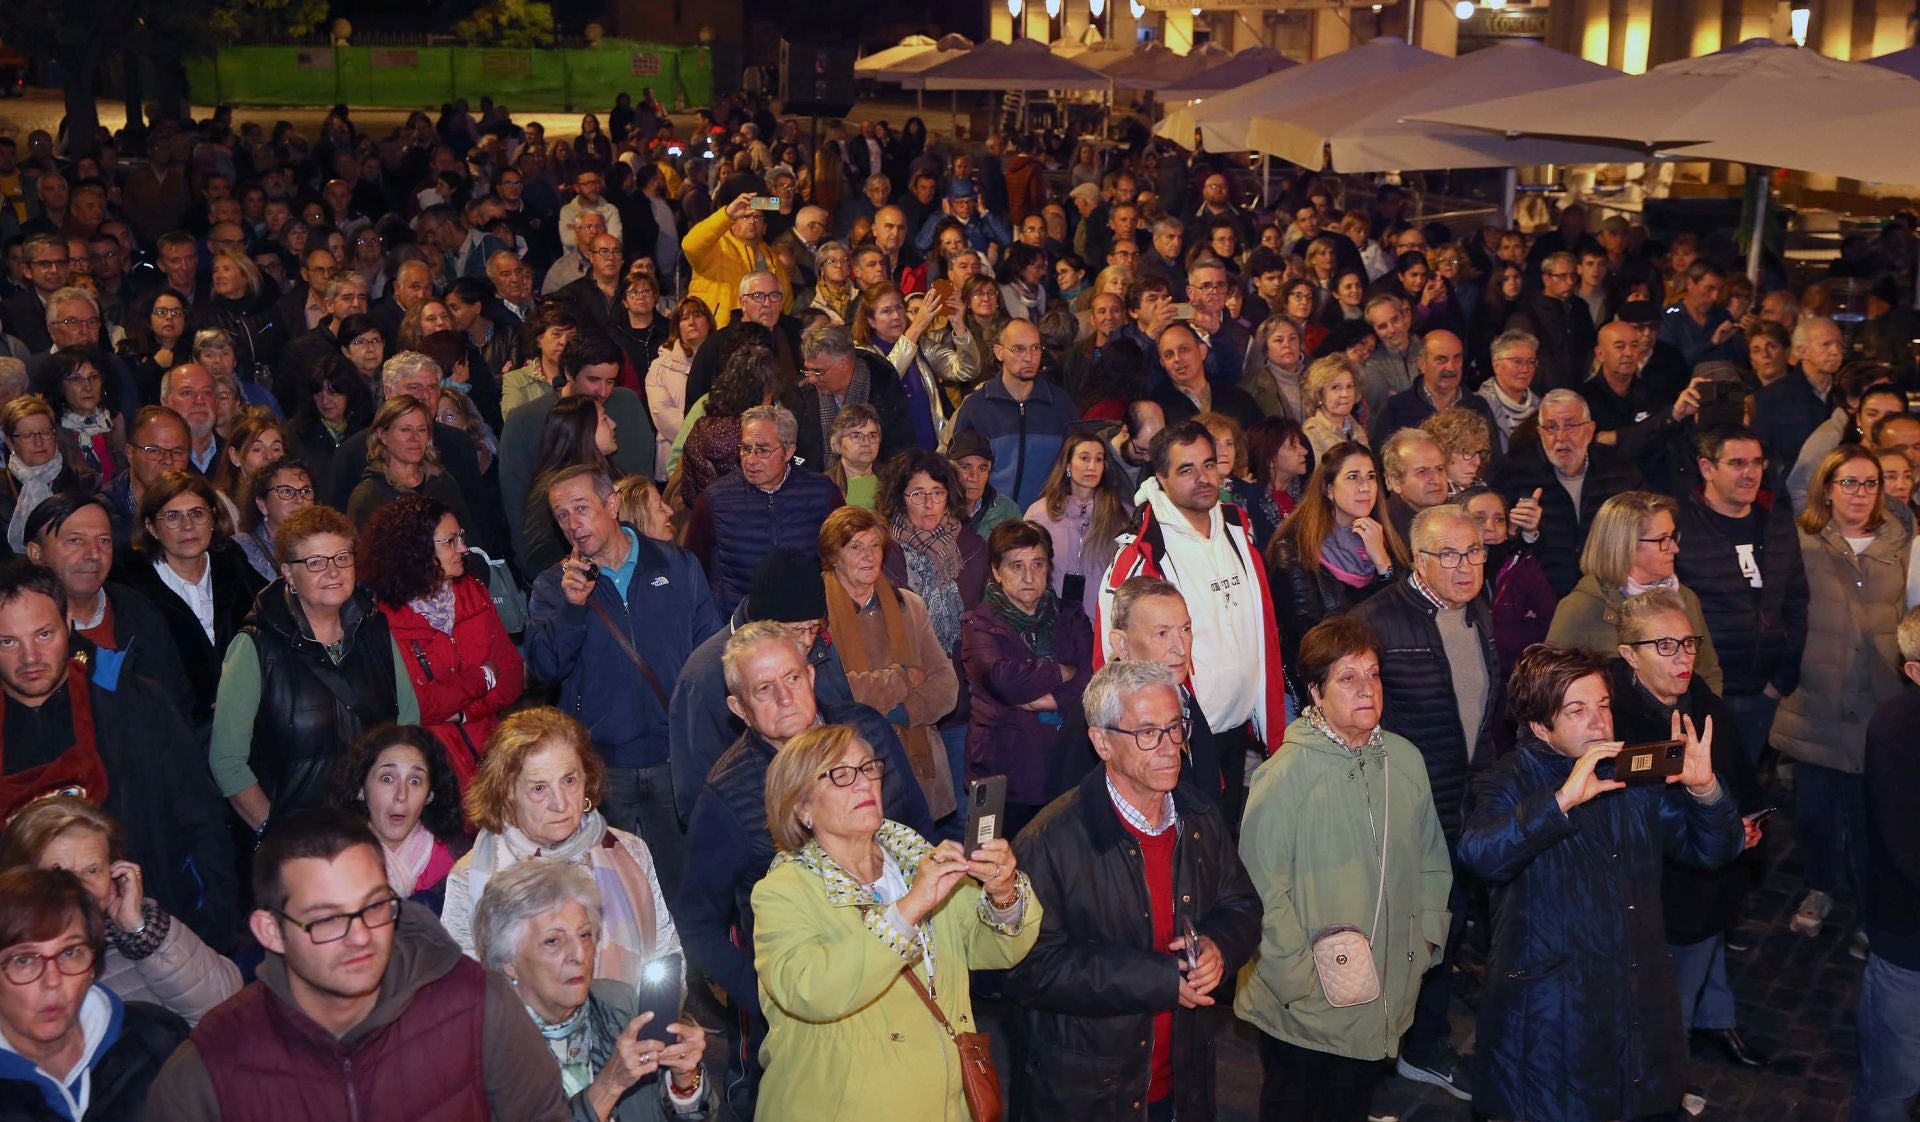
979 1079
1342 956
505 592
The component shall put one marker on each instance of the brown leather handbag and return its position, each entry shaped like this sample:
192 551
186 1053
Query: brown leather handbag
979 1079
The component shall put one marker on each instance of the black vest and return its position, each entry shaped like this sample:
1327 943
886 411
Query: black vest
310 708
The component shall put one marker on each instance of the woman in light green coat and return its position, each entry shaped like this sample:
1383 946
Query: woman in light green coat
1631 547
1318 815
850 906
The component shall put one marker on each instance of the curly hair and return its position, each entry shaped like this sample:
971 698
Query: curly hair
900 471
396 550
346 785
489 800
741 384
309 522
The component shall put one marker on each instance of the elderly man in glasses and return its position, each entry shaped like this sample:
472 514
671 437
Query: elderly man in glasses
1442 689
1563 479
1130 841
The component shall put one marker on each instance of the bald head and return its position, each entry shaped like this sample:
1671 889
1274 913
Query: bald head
1617 352
1442 362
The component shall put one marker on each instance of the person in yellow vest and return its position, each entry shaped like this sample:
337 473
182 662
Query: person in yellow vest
724 247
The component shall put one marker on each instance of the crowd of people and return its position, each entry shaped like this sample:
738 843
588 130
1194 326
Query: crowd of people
487 611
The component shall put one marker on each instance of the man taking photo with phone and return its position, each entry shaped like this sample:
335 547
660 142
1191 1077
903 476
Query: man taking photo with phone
1130 841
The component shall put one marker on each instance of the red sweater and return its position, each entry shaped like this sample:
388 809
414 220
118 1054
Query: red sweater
1156 853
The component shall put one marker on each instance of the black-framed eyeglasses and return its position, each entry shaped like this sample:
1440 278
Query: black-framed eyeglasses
1451 558
1852 486
1148 737
161 452
27 967
319 563
1665 543
1667 647
842 775
286 492
332 929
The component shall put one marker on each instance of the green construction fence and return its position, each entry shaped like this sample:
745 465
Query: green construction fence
414 77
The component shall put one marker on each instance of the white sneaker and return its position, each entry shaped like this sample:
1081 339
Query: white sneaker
1812 913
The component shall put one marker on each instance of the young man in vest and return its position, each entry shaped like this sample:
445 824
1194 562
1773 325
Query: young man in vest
363 1008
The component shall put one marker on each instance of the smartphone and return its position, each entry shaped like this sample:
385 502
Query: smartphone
1191 953
1762 815
986 811
592 573
764 202
1073 586
659 993
1183 311
941 291
1645 763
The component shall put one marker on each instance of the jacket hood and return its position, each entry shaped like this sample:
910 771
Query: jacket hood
423 953
1172 520
1301 734
101 1015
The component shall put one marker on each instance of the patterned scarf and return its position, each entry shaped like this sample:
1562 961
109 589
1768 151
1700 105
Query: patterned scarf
436 608
88 425
1375 742
933 571
35 485
1036 627
1345 556
570 1041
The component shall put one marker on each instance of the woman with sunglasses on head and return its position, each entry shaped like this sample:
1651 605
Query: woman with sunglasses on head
314 667
1631 547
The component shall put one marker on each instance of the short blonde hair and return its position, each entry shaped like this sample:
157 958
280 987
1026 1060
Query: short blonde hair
1322 374
791 776
489 800
1637 613
1615 535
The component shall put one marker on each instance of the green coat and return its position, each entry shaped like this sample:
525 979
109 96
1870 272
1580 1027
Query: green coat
847 1035
1312 855
1589 620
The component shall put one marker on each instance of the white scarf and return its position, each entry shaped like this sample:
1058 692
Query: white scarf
36 484
405 864
88 425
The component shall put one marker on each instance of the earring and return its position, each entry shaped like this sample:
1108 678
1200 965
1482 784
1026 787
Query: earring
587 806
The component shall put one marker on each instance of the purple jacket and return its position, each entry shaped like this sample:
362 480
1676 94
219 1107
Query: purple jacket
1003 674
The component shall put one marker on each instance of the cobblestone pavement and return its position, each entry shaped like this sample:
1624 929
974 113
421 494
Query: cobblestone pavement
1796 998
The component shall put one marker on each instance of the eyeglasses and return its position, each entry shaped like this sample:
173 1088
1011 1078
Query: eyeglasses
319 563
842 775
763 451
1216 286
605 251
1149 737
52 262
82 378
760 297
161 452
458 536
1567 275
927 496
192 516
1667 647
1567 429
91 323
1666 543
27 967
1451 558
169 313
332 929
286 492
1852 486
858 436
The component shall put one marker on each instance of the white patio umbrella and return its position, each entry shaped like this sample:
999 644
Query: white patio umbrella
1365 129
1022 65
1733 105
911 47
1153 66
1223 120
1246 66
907 71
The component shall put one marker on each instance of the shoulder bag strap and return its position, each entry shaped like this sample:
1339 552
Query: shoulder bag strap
1386 828
920 988
621 637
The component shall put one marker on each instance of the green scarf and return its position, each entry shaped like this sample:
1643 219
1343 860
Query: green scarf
1037 628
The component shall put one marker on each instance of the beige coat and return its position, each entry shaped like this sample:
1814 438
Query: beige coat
182 975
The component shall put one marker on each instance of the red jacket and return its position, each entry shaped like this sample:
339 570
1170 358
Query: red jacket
1141 556
446 671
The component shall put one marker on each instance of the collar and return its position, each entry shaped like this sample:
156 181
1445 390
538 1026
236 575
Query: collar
99 611
1420 588
1169 816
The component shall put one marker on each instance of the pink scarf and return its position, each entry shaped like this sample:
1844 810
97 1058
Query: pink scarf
406 864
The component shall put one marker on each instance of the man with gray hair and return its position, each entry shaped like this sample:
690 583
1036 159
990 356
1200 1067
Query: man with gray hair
772 501
838 374
1130 842
585 227
1564 478
760 297
1441 688
1415 467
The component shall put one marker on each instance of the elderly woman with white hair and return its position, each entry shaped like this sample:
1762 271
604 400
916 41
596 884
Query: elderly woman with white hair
539 924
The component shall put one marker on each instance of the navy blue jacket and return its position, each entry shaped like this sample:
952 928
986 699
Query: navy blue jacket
1409 408
1580 1021
1025 435
734 524
1785 414
729 848
701 728
668 613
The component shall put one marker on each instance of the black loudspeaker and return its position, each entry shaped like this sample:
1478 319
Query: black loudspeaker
816 78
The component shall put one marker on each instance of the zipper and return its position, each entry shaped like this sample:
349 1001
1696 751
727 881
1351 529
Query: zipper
353 1101
1020 464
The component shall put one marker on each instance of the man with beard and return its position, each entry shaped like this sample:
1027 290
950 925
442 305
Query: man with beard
188 391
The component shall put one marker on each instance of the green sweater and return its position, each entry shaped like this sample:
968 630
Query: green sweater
238 702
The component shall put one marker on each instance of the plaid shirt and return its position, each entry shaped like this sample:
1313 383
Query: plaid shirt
1171 818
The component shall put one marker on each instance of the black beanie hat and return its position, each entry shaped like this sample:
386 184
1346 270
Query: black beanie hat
787 588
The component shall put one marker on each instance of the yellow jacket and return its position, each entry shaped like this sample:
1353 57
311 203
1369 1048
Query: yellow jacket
848 1037
719 260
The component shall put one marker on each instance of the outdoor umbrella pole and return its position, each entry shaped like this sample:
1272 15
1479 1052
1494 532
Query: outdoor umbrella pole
1509 193
1759 221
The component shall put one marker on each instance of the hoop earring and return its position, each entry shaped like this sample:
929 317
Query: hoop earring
586 807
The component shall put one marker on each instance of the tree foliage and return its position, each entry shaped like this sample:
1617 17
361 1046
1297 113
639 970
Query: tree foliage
518 24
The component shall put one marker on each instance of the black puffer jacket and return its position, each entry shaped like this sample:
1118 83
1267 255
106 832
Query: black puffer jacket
1563 530
1303 597
1757 632
120 1076
1091 985
257 339
1420 702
